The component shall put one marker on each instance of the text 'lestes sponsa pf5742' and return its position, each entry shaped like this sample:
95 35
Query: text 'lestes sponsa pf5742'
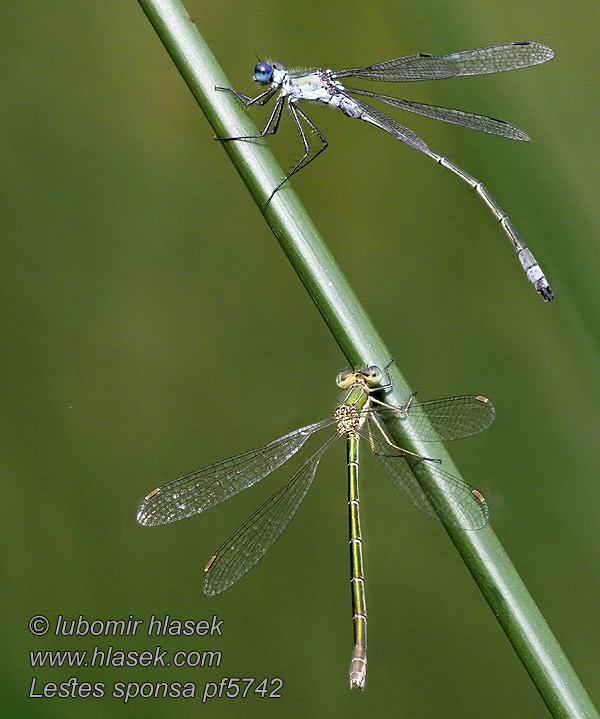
323 85
360 415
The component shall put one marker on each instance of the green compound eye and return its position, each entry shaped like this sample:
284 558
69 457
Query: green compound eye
342 379
375 374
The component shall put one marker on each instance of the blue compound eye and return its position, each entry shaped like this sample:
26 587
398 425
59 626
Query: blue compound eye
263 72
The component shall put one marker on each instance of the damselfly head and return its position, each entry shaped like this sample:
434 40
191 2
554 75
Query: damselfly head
370 376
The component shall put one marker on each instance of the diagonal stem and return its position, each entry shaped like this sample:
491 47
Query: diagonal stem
360 342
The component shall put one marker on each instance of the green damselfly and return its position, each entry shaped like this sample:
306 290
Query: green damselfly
359 415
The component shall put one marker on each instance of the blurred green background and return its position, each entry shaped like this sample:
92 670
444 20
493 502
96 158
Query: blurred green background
151 325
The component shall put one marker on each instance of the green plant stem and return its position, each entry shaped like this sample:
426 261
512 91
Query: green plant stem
358 339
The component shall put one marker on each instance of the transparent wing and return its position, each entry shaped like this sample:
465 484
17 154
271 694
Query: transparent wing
203 489
499 58
441 419
257 535
466 506
383 121
481 61
403 69
484 123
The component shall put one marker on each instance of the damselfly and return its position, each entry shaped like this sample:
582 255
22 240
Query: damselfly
360 415
324 85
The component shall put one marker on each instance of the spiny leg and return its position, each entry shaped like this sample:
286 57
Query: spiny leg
388 440
261 99
400 410
305 159
269 129
528 261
